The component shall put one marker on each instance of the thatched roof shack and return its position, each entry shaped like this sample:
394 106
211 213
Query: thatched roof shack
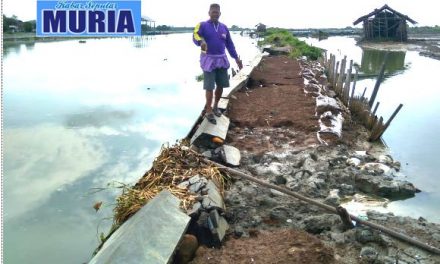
385 23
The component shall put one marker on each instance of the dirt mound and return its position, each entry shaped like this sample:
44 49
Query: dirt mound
282 246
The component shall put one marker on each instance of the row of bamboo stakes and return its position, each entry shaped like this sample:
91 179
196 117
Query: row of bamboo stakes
360 106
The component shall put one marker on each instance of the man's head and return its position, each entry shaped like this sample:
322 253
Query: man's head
214 12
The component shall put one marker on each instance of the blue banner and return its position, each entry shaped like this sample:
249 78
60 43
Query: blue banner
88 18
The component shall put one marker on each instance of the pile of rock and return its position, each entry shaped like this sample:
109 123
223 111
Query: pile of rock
329 109
329 173
207 221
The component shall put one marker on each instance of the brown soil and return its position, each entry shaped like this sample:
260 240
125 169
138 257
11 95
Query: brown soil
282 246
274 108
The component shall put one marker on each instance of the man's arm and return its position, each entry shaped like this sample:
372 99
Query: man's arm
231 49
197 37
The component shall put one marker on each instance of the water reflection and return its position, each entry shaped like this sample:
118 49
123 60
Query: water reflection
15 47
141 42
372 61
28 154
11 48
98 117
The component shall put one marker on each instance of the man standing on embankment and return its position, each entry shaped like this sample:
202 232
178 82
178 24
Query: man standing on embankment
213 37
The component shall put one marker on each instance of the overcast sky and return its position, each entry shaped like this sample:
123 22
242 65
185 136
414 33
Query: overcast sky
275 13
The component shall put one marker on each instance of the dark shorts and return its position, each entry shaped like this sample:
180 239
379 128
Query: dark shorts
217 77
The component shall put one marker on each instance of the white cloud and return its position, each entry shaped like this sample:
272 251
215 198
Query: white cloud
42 159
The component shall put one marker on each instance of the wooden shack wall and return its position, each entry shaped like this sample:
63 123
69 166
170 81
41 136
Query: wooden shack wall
384 28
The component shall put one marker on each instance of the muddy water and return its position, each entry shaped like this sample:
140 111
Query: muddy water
79 117
413 135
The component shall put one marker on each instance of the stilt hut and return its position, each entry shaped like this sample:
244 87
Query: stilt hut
148 24
385 23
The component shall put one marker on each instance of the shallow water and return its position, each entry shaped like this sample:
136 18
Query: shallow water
81 116
412 137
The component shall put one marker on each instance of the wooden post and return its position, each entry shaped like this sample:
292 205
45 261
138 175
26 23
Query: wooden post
386 25
334 69
375 108
335 76
387 124
378 81
346 91
363 94
354 85
341 75
330 68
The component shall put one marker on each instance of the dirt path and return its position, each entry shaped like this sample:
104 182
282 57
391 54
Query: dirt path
274 110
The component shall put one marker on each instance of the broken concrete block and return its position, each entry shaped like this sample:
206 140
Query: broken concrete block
197 183
219 232
218 226
206 132
149 236
231 155
214 199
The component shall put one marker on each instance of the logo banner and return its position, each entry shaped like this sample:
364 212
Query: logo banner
88 18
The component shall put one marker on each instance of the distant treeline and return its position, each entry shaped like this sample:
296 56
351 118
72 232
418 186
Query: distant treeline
418 30
13 24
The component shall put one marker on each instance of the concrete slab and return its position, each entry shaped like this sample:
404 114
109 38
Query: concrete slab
240 80
223 103
149 236
203 136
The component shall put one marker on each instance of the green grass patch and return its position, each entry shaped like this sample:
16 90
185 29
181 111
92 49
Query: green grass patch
282 38
199 77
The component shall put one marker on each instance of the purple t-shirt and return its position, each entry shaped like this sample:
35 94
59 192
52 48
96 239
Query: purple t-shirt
217 38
